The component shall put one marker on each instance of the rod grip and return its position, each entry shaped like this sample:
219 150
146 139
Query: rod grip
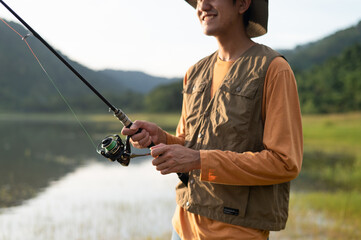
139 130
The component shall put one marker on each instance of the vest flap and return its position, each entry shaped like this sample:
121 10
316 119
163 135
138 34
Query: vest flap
196 87
246 89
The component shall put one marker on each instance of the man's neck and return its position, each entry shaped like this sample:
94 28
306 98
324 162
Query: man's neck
230 49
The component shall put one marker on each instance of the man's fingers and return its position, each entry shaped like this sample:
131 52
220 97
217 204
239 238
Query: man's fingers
140 136
138 124
133 129
158 150
128 131
145 141
168 170
167 167
141 140
164 165
158 160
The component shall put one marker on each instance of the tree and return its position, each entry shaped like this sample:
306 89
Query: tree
166 98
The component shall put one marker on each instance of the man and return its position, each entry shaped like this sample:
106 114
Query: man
239 139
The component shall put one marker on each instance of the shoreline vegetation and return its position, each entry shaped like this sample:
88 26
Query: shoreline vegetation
326 197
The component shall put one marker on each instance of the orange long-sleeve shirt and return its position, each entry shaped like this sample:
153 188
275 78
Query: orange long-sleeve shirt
279 162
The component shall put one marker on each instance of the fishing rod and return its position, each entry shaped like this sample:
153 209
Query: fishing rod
125 120
112 146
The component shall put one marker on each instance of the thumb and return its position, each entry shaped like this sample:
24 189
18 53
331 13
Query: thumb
132 129
137 124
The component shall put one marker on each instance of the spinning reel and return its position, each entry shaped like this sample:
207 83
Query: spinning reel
113 148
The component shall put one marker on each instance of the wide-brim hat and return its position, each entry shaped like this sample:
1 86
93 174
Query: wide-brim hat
258 17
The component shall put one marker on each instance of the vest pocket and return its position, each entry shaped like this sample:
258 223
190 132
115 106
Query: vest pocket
234 107
195 88
246 89
221 202
235 204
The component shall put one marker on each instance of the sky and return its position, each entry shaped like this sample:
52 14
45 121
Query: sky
163 37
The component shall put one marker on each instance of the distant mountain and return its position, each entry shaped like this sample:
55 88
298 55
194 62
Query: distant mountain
307 55
327 71
137 81
24 86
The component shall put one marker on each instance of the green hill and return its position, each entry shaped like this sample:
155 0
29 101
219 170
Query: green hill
328 74
24 86
333 86
310 54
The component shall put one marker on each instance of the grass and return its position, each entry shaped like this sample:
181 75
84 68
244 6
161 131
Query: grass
315 214
335 133
332 214
323 215
339 205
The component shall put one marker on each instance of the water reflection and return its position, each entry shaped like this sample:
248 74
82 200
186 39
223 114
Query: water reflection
97 201
35 150
70 191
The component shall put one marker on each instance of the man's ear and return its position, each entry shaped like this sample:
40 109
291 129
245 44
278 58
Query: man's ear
244 5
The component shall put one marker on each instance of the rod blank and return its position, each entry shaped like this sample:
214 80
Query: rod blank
60 57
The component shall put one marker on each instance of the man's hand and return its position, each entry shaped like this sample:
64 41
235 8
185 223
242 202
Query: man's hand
175 158
150 133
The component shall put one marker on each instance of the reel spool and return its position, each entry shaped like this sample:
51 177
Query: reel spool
113 148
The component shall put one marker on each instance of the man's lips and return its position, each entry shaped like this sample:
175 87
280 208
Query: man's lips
205 16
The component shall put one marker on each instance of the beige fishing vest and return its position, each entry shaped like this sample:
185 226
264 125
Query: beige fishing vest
232 121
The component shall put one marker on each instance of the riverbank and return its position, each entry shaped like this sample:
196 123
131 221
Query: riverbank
40 149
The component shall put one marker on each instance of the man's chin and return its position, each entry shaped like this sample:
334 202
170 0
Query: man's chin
209 32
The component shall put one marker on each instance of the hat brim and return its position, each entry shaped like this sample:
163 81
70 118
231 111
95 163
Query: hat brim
258 17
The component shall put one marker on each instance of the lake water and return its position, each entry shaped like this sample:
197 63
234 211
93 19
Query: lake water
53 185
96 201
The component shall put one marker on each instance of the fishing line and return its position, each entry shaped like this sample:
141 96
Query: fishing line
120 149
52 82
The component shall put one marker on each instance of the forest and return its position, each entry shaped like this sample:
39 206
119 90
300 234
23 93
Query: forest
41 142
327 71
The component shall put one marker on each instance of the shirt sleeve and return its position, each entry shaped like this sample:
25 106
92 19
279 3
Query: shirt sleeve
283 140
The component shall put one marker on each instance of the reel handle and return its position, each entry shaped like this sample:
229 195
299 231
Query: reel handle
184 177
151 145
